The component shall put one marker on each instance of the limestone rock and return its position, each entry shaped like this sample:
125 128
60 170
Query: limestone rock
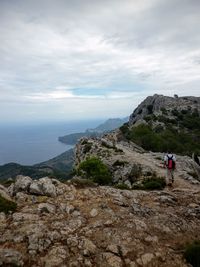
22 183
36 188
147 258
112 260
94 212
55 257
4 192
89 247
10 257
46 207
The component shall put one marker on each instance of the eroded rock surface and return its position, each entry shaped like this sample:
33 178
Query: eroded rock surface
101 226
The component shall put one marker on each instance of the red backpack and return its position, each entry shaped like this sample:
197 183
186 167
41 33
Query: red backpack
171 162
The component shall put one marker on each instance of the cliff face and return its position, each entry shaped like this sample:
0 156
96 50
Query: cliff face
58 224
157 103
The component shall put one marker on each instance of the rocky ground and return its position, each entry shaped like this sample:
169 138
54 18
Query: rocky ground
112 149
59 224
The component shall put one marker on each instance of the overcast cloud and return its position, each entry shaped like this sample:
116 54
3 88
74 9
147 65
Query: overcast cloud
80 59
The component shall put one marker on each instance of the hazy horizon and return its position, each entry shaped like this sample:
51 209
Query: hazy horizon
28 144
82 60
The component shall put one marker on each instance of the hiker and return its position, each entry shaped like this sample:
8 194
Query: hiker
170 165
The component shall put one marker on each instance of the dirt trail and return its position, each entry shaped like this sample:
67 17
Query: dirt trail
145 159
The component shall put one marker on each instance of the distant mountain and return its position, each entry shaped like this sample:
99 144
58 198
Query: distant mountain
107 126
11 170
58 167
62 162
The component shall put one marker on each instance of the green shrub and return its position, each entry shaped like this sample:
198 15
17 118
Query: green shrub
93 168
122 186
192 253
124 128
164 111
154 183
138 187
7 205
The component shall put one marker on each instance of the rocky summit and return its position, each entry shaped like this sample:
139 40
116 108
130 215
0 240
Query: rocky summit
61 224
105 216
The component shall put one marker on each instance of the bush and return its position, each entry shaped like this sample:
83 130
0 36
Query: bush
154 183
192 253
122 186
7 205
93 168
124 128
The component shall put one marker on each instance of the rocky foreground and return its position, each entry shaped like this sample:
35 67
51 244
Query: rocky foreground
59 224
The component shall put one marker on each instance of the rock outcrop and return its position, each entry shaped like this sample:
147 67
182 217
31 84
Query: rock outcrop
156 103
44 186
129 163
100 226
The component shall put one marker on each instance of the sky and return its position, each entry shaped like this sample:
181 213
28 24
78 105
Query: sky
87 59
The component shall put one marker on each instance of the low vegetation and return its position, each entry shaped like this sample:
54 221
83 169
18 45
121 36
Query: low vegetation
94 169
7 205
192 253
153 183
122 186
180 132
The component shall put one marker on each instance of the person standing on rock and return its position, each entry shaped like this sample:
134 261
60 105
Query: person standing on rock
170 165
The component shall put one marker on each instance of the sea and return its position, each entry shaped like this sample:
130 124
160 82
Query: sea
28 144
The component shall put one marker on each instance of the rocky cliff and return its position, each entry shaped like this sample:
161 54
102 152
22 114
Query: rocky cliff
160 104
58 224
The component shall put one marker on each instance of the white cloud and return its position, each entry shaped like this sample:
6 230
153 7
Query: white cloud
118 49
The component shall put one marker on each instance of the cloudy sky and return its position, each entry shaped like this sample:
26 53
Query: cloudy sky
85 59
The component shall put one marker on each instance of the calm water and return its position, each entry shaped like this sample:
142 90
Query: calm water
31 144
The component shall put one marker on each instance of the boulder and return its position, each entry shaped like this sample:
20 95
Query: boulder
43 186
48 188
22 183
35 188
10 257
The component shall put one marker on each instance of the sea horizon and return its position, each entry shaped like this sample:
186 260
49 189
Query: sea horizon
32 143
